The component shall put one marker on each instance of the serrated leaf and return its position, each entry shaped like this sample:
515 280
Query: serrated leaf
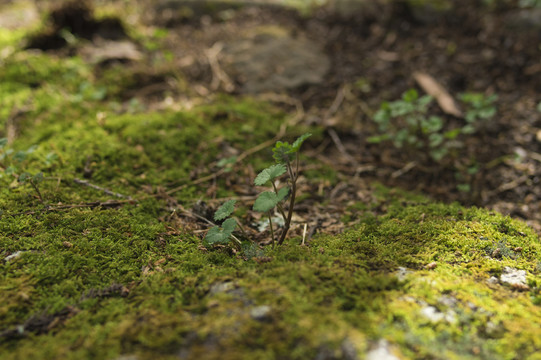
265 201
282 193
229 226
19 156
23 177
297 144
38 178
269 173
216 236
225 210
281 152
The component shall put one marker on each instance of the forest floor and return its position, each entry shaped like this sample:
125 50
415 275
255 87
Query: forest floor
143 124
373 55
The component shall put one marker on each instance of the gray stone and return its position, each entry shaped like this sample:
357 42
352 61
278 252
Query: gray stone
349 351
271 60
260 313
20 15
14 256
513 277
435 315
402 273
221 287
382 351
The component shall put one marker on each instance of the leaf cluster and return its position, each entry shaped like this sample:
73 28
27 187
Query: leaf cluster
285 155
406 123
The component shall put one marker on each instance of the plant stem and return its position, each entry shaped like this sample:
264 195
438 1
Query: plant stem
279 206
272 230
291 204
35 186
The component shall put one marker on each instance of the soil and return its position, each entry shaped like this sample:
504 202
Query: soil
468 48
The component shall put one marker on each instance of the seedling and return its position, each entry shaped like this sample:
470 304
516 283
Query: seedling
286 157
12 166
480 109
34 181
405 122
223 234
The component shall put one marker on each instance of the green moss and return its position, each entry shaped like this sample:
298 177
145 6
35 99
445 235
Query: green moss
101 282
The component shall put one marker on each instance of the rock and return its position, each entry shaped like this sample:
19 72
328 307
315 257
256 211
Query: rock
127 357
271 60
221 287
514 278
260 313
13 256
108 50
435 315
349 351
402 273
24 14
382 351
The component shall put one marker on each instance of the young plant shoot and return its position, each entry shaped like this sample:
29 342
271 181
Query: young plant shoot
287 161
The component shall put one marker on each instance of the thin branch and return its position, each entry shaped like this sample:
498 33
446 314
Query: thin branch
96 187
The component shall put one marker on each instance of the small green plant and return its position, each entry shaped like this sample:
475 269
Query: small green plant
286 157
405 123
34 181
12 164
481 108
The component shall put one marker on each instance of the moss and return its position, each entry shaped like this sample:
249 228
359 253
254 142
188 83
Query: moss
101 282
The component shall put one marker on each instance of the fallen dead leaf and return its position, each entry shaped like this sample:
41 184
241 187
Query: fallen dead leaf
435 89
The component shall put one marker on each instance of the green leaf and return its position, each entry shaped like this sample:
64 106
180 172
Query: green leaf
295 147
269 173
229 226
436 139
282 193
377 139
439 153
3 142
410 96
226 161
19 156
281 152
37 178
266 201
225 210
452 134
24 177
216 236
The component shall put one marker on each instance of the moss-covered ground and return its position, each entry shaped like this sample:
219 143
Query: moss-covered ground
81 278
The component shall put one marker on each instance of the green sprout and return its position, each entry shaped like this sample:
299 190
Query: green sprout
286 157
480 109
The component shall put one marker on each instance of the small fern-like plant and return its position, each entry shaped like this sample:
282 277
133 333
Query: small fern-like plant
287 162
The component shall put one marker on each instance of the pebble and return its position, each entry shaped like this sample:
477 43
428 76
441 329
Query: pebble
382 351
